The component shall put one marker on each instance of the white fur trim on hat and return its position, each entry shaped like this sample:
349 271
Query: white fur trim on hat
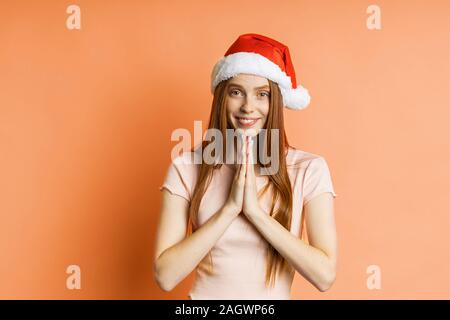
254 63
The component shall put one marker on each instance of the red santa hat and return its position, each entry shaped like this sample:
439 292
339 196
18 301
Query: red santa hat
262 56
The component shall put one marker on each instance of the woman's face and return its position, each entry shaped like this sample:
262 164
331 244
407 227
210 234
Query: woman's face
248 102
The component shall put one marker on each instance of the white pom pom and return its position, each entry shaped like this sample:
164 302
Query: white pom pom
296 99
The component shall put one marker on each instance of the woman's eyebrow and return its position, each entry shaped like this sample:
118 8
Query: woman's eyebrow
256 88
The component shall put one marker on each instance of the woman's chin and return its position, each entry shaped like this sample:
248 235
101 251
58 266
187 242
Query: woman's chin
249 131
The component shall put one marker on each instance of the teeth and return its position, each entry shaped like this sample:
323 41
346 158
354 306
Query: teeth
247 120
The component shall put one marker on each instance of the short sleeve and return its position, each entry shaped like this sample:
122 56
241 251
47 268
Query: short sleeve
177 179
317 180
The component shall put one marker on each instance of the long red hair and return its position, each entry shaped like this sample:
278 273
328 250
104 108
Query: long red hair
279 182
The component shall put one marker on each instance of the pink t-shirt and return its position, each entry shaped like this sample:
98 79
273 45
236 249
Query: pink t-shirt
239 256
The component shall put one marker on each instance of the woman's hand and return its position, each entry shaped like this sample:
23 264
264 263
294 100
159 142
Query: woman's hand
235 199
251 205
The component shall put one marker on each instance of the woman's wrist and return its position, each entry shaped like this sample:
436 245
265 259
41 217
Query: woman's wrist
231 211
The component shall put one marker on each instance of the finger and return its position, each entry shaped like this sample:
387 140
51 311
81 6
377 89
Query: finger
237 172
244 161
238 158
250 167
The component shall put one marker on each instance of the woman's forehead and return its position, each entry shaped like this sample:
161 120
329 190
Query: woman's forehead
249 80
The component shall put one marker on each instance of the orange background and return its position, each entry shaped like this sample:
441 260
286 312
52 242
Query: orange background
86 117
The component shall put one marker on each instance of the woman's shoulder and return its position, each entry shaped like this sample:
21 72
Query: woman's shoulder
297 158
188 158
184 158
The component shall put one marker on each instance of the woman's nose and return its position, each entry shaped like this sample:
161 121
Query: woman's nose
247 106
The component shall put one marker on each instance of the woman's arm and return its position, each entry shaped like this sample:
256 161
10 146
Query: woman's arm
317 260
177 255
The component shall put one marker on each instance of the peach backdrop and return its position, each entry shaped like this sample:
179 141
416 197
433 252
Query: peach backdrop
86 117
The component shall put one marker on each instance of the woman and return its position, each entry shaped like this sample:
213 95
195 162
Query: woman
240 224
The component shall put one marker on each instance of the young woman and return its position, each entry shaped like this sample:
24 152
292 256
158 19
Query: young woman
239 227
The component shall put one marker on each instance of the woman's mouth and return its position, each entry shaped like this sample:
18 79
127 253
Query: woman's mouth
246 122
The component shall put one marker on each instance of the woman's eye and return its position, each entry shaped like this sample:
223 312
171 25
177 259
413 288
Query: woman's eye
237 92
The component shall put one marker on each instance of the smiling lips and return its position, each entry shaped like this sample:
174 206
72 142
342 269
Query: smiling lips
247 122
